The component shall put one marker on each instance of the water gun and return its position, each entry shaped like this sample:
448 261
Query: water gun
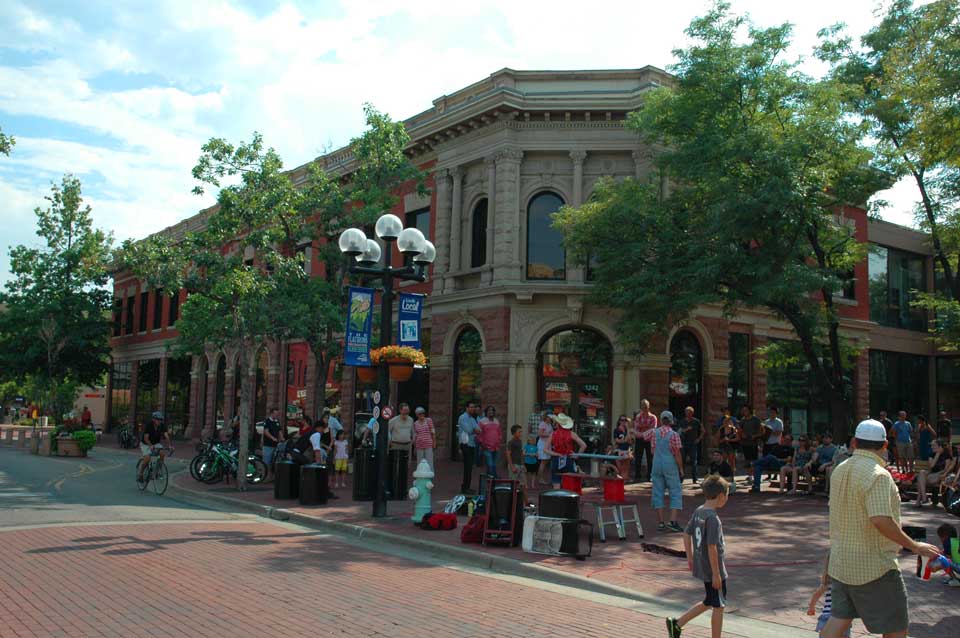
949 568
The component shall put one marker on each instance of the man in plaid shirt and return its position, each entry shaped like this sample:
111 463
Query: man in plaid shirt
643 421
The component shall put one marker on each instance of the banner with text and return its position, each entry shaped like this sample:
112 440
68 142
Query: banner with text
359 325
411 308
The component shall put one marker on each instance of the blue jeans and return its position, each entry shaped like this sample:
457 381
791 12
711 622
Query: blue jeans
666 477
490 460
767 463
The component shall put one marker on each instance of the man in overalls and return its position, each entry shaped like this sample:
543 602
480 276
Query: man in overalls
667 470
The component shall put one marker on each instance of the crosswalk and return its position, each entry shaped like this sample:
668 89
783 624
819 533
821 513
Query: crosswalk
13 496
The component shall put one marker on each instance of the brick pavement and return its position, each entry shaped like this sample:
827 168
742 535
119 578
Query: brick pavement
774 546
182 580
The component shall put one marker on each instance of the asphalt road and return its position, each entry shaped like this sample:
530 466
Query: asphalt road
50 490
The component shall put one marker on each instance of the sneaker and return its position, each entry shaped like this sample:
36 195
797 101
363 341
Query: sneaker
661 527
673 526
673 629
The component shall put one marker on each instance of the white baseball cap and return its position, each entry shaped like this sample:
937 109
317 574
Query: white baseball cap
871 430
667 417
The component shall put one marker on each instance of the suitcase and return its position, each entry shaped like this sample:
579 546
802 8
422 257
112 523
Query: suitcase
557 536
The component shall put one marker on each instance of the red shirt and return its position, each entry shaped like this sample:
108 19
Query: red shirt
644 422
664 430
489 435
562 442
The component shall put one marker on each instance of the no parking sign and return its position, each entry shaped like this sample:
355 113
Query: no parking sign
387 412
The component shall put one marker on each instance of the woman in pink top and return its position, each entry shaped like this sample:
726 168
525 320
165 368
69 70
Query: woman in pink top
424 437
489 439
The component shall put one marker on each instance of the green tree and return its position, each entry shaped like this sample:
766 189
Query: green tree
760 162
905 78
54 333
245 277
6 143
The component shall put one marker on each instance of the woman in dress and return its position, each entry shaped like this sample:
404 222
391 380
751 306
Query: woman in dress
561 449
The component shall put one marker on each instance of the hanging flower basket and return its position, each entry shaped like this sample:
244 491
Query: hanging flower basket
367 374
401 360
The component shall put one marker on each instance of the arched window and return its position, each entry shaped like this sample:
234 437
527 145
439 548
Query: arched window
467 376
478 235
686 374
545 255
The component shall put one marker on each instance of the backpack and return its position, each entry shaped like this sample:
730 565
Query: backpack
438 521
472 532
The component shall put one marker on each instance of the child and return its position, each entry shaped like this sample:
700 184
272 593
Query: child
340 456
947 533
515 453
530 462
822 590
720 467
703 541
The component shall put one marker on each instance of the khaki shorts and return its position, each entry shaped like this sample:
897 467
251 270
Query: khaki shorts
881 604
905 451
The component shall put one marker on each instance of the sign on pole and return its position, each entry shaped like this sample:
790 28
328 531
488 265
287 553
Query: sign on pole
411 309
359 326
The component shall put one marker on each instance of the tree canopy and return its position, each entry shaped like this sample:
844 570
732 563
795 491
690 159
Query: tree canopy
54 332
7 143
904 81
245 272
754 163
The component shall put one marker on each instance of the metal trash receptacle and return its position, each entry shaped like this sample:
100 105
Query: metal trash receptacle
364 473
286 480
314 489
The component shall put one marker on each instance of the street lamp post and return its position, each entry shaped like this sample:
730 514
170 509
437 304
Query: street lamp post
418 255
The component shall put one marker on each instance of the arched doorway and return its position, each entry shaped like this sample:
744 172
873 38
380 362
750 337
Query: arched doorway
574 367
686 374
467 378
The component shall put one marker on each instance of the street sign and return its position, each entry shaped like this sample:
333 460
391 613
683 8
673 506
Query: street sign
387 412
376 411
376 397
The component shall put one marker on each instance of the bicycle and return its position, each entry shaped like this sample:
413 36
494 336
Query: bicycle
125 437
155 471
222 462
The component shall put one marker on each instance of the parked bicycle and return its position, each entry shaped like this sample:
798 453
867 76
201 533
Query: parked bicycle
220 461
155 470
126 438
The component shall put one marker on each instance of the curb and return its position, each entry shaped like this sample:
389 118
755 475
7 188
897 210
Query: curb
473 558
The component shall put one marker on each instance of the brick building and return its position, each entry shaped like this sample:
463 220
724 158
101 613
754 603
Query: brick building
506 320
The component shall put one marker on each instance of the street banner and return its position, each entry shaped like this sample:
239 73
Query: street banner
411 308
359 326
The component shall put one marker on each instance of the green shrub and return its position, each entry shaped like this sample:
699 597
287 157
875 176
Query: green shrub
85 439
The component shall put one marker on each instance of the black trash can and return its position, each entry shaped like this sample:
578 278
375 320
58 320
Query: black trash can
559 504
364 474
286 480
314 488
398 462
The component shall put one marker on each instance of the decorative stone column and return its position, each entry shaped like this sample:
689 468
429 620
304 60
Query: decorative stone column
716 379
134 393
210 396
507 254
456 220
162 387
198 397
273 388
229 391
577 157
441 266
492 248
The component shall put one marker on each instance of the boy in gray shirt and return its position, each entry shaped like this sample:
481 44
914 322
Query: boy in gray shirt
703 540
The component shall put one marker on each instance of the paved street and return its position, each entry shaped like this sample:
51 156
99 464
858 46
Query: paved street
159 568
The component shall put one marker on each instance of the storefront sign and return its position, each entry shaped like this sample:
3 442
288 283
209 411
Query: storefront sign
411 308
359 326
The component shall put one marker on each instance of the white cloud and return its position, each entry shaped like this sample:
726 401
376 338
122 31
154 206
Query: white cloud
298 73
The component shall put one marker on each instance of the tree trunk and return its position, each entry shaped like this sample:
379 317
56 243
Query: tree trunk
319 386
246 392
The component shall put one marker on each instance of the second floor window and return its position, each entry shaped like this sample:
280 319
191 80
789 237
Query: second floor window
128 322
158 308
478 235
546 258
144 304
419 219
174 309
894 274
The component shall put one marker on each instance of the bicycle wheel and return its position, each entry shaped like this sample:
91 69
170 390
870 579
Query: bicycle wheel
210 472
195 465
256 470
143 475
160 478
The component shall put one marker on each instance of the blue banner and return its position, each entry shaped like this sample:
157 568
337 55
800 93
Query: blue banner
356 344
411 308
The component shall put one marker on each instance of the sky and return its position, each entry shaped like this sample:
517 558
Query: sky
123 94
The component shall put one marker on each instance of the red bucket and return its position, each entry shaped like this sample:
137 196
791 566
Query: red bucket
571 482
613 490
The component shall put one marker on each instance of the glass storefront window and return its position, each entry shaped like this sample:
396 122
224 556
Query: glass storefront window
120 393
686 373
898 382
948 390
178 395
467 378
738 381
148 389
793 391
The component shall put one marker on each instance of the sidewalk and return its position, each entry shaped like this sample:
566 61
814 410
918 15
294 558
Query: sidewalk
775 546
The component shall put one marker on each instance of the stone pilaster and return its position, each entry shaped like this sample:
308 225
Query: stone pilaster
441 266
273 388
229 392
492 247
577 157
508 218
210 397
162 386
456 220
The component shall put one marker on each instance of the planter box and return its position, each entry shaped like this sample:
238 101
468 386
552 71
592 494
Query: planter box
69 447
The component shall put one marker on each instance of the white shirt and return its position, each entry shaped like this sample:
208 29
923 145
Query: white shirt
315 441
776 430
